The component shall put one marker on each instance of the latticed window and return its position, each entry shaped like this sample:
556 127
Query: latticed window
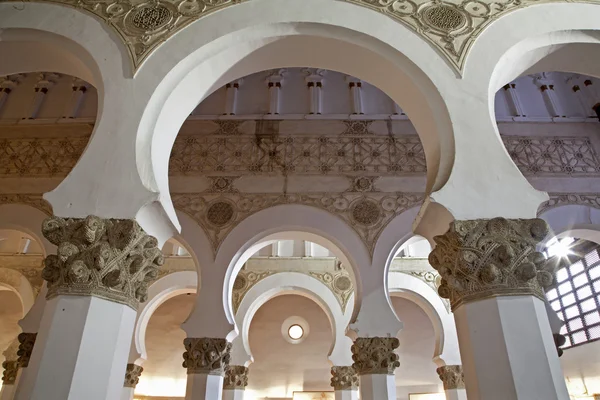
576 299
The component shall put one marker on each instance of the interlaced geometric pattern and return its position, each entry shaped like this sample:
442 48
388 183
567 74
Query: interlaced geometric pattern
576 299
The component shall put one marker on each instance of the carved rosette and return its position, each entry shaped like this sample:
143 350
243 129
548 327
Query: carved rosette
375 355
236 377
452 376
113 259
206 355
479 259
9 375
26 343
344 378
132 375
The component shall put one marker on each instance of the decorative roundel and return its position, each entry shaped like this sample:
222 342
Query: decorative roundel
220 213
366 212
342 283
444 17
239 283
149 18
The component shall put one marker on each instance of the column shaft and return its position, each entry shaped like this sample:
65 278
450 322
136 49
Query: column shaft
456 394
7 392
233 394
351 394
127 393
204 387
377 387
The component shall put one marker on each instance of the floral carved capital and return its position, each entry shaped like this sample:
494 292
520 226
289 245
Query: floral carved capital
479 259
452 376
206 355
375 355
9 375
26 343
113 259
344 378
132 375
236 377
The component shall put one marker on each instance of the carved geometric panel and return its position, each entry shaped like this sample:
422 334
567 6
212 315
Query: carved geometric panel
564 199
33 200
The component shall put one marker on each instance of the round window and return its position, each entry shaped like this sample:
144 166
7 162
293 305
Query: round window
295 332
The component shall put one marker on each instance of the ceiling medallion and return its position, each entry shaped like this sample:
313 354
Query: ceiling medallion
220 213
150 17
444 17
366 212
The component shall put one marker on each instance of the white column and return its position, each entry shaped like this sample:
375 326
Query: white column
274 82
45 82
377 387
205 382
375 362
346 395
314 82
7 85
299 248
512 99
454 384
233 394
80 352
127 393
231 93
545 84
356 102
132 378
456 394
80 88
7 391
344 381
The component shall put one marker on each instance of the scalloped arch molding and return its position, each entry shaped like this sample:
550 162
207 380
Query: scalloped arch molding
451 26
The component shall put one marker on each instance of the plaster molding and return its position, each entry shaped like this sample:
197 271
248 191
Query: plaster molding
33 200
484 258
563 199
236 377
132 375
344 378
9 375
26 343
113 259
206 355
452 376
375 355
450 26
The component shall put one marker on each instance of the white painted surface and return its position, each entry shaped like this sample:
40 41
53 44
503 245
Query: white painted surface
346 395
456 394
204 387
233 394
377 387
7 392
66 364
127 393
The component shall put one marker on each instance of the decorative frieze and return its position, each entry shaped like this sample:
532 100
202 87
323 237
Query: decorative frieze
344 378
9 375
206 355
375 355
236 377
33 200
26 343
452 376
483 258
564 199
113 259
132 375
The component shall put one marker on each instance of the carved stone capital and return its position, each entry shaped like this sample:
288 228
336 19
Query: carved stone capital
559 341
344 378
452 376
9 375
206 355
236 377
113 259
26 343
483 258
375 355
132 375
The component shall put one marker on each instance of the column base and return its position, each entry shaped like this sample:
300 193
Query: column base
346 395
204 387
377 387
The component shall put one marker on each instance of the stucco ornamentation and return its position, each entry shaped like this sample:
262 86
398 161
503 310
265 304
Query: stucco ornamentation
9 375
483 258
565 199
113 259
33 200
206 355
26 343
375 355
452 376
236 377
344 378
132 375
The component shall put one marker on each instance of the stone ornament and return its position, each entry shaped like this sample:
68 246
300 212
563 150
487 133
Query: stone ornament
132 375
562 199
9 375
113 259
452 376
484 258
344 378
26 343
206 355
236 377
375 355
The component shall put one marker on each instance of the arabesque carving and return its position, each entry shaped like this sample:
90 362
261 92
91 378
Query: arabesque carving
236 377
452 376
206 355
483 258
9 375
344 378
26 343
375 355
132 375
33 200
113 259
450 26
565 199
